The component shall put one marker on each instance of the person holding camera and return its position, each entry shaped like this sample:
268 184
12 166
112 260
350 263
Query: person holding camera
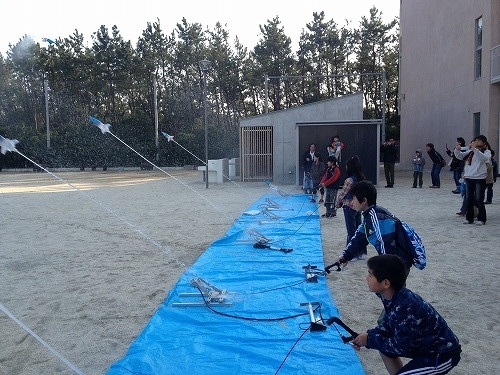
475 173
457 165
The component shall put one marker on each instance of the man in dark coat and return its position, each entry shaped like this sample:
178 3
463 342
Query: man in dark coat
390 151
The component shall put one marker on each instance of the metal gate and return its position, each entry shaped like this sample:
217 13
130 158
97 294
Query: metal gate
256 153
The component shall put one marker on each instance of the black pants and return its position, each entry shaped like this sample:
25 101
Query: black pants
389 173
474 196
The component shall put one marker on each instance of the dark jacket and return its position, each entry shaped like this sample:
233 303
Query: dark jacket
308 164
411 328
317 171
435 156
456 164
390 153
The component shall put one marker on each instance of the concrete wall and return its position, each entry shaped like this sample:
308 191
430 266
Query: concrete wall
285 131
437 82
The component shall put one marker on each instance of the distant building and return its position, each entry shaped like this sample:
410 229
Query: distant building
272 145
449 73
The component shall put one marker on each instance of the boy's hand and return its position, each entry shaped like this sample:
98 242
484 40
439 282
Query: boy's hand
360 340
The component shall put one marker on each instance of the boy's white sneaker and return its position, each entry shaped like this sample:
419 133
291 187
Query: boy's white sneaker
480 223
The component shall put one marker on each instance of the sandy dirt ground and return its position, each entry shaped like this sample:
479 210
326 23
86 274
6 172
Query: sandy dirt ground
86 261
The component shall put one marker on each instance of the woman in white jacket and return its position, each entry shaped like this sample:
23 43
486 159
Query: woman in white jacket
475 172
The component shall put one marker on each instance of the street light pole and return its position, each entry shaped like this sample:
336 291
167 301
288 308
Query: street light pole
205 67
155 103
47 118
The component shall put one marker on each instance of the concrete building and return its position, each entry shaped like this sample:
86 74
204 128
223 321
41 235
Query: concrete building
449 73
272 144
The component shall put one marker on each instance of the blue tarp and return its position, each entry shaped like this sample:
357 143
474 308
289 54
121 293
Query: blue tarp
263 285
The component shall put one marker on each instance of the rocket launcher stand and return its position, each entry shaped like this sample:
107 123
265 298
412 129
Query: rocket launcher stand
260 245
271 203
212 295
316 323
312 273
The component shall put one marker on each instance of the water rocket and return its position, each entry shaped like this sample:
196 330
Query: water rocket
169 137
104 127
7 144
47 40
271 185
274 187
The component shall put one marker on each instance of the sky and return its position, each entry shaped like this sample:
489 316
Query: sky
55 19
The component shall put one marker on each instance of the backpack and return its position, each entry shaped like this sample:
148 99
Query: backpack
410 243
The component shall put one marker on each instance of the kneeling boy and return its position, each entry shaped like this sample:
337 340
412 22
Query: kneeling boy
411 328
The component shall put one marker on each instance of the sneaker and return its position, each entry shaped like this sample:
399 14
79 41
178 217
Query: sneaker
460 213
414 187
468 222
321 201
313 200
456 191
325 215
480 223
362 256
354 259
487 202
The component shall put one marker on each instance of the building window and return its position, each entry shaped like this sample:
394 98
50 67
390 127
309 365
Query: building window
479 47
477 123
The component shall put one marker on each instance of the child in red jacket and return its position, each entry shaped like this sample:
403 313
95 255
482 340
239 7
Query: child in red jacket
331 183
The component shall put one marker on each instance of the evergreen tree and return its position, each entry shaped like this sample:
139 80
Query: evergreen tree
113 80
375 40
273 56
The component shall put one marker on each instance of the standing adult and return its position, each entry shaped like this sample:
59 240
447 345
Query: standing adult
491 178
308 160
390 151
317 171
475 172
437 165
457 165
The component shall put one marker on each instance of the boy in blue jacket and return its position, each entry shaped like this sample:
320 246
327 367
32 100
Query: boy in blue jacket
411 328
377 228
